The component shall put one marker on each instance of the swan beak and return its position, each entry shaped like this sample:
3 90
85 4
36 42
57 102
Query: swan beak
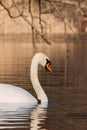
48 67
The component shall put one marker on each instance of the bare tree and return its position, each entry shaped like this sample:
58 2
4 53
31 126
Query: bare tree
31 12
17 8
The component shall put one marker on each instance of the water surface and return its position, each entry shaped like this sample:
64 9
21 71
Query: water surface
66 87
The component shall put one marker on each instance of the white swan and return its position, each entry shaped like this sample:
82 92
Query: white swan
13 94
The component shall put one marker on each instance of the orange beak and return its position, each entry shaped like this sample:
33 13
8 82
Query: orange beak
48 67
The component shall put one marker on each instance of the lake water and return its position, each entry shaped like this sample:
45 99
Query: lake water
66 87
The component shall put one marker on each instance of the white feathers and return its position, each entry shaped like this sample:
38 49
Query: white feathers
13 94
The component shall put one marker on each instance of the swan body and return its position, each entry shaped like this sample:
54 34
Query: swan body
14 94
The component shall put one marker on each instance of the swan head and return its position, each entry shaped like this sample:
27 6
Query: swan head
43 60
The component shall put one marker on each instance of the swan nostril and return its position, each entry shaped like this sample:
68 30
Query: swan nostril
39 101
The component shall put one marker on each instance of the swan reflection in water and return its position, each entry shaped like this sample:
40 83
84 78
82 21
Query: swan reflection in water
26 116
38 116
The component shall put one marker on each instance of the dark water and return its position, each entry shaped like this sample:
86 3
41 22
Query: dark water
66 87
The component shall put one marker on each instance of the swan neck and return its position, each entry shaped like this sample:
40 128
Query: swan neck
41 95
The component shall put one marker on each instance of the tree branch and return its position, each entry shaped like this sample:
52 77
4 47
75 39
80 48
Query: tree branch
7 9
32 25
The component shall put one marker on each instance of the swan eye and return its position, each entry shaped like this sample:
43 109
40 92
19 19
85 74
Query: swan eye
48 66
48 61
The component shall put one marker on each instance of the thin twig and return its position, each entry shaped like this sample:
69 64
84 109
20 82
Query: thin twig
59 14
7 9
32 25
